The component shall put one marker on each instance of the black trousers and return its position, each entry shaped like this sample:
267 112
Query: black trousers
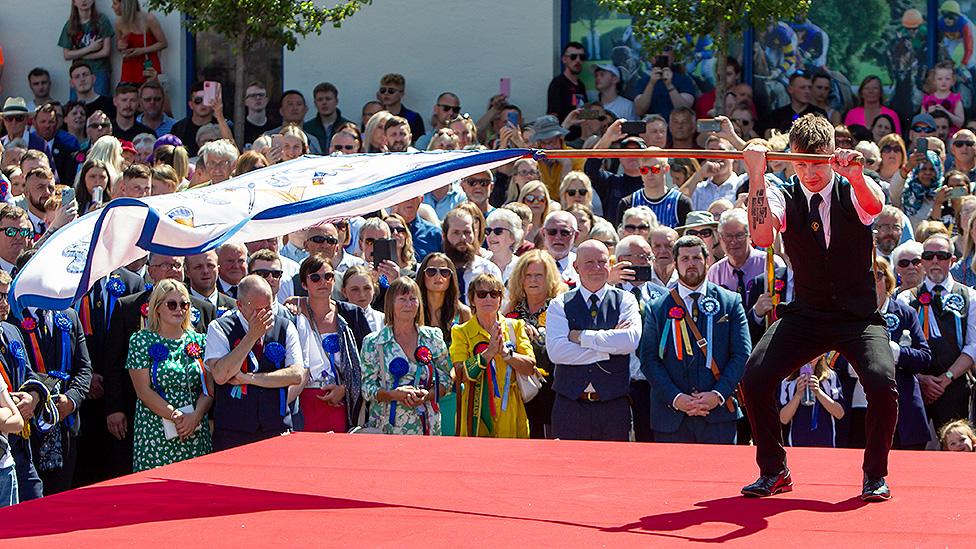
574 419
794 340
640 409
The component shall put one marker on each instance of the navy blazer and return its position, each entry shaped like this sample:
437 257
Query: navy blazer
912 421
730 346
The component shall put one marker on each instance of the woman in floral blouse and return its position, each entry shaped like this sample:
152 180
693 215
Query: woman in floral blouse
174 390
405 367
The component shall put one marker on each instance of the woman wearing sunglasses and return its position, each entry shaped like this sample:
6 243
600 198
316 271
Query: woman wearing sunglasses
893 157
174 391
331 397
504 236
488 353
535 195
907 261
575 189
405 367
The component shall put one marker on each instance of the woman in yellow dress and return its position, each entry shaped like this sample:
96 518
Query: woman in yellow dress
488 353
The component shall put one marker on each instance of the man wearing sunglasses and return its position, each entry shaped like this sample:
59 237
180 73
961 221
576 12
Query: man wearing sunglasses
703 225
477 187
923 125
889 231
328 118
947 309
324 240
120 396
669 205
15 119
201 273
446 109
963 153
390 94
566 91
200 114
16 232
559 231
824 215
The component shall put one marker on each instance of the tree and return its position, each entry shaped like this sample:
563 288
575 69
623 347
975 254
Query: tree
244 22
666 23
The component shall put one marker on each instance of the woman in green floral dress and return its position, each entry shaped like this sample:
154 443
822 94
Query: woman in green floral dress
175 392
405 404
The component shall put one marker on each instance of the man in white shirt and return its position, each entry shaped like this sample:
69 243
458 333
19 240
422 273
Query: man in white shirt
590 333
559 231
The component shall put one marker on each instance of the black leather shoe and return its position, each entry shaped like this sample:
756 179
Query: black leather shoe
769 485
875 489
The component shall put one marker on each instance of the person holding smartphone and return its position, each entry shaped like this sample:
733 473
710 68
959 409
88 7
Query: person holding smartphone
946 204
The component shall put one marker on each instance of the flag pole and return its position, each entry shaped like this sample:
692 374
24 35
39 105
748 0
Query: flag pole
555 154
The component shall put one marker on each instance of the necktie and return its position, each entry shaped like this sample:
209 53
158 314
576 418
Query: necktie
740 284
594 307
41 227
816 222
232 291
694 305
937 297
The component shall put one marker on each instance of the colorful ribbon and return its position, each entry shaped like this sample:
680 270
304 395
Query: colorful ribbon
330 344
84 315
709 307
158 353
194 351
63 322
29 325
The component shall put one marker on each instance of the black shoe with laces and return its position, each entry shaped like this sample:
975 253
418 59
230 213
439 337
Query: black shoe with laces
769 485
875 489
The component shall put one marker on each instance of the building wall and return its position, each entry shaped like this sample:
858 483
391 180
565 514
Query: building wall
438 45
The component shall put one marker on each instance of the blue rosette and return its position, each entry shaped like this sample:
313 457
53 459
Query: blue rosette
158 353
954 303
275 352
116 289
398 368
330 344
148 287
709 307
17 351
891 322
63 323
194 315
384 282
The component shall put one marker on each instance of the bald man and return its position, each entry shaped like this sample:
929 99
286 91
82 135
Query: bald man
591 332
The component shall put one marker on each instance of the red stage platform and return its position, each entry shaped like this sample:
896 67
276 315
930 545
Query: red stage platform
325 490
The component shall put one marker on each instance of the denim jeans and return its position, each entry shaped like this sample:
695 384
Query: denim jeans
8 486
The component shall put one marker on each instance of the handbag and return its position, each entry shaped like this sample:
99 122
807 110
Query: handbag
528 386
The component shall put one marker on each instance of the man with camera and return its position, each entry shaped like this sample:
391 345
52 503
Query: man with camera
665 89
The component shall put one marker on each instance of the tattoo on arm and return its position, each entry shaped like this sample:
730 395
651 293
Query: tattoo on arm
758 209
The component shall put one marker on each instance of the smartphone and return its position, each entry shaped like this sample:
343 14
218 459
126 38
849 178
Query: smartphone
589 114
505 86
706 125
209 92
633 127
579 100
958 192
921 145
661 61
642 273
383 249
67 195
513 118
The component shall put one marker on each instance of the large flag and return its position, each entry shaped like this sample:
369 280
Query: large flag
262 204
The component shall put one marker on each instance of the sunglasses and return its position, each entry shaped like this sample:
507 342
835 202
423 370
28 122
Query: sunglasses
904 263
655 169
14 231
322 239
532 199
16 117
890 149
922 129
100 125
742 121
495 230
705 233
528 173
344 147
478 182
174 305
574 192
434 271
565 233
265 273
316 277
576 56
941 256
636 228
398 230
450 108
964 143
390 91
495 294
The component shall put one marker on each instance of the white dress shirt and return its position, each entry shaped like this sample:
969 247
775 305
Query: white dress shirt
218 347
777 206
969 348
594 345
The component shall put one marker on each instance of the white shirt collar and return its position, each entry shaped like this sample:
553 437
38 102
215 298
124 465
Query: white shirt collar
685 292
948 283
212 298
824 192
600 294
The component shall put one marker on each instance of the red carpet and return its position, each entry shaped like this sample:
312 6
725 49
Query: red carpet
320 490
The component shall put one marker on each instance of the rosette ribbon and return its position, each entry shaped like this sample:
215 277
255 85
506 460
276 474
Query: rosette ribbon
954 303
493 386
158 353
29 325
708 307
194 351
115 289
424 356
399 367
275 352
673 330
508 378
925 313
63 323
330 344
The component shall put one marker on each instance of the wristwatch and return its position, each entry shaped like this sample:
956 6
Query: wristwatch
949 375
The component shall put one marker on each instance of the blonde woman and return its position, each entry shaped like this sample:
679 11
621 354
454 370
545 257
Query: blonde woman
444 139
535 195
108 149
576 188
964 271
140 39
401 233
375 133
293 142
175 392
523 171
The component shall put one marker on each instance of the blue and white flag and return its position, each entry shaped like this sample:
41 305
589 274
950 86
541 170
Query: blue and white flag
266 203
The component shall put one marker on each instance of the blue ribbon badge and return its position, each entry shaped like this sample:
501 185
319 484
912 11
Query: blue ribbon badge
158 353
709 307
116 289
954 303
275 352
330 344
891 322
399 367
63 323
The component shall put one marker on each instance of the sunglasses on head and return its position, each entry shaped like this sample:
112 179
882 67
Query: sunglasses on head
904 263
478 182
316 277
495 294
920 128
16 117
389 91
14 231
450 108
174 305
495 230
576 56
323 239
635 228
532 199
434 271
565 233
655 169
930 255
574 192
265 273
964 143
705 233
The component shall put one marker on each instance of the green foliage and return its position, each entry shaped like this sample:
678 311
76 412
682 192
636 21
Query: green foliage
661 23
246 21
850 36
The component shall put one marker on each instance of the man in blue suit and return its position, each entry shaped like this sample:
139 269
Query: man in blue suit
692 398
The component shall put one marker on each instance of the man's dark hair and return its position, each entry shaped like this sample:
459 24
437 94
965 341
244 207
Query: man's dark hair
688 242
326 87
264 254
573 44
941 114
152 84
820 74
396 121
137 171
38 71
292 92
799 74
78 64
126 87
196 87
682 110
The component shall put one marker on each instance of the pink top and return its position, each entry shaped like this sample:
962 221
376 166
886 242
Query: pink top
949 103
856 116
